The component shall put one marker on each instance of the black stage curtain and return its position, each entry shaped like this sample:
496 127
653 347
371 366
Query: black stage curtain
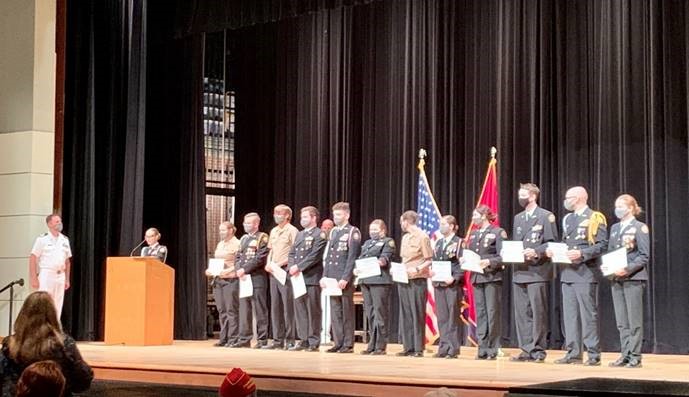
334 104
130 163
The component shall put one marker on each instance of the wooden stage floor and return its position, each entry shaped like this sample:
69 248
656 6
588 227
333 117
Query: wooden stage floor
199 363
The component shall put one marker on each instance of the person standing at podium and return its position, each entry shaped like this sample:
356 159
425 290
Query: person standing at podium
226 286
49 263
152 237
250 262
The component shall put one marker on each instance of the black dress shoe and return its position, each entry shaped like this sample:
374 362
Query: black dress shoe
297 347
378 353
492 357
333 349
365 352
620 362
402 354
450 356
567 360
522 358
288 346
481 357
312 349
417 354
272 346
592 362
261 345
439 355
346 350
237 345
219 344
633 363
539 359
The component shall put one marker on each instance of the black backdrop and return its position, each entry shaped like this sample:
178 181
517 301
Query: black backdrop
335 98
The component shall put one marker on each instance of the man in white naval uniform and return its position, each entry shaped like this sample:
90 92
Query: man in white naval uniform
49 263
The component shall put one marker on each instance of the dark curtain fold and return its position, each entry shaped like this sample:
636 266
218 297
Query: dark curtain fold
334 104
111 181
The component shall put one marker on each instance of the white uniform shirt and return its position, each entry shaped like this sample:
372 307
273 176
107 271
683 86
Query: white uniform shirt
52 252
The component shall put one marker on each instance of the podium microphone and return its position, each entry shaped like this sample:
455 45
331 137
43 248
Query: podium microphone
135 248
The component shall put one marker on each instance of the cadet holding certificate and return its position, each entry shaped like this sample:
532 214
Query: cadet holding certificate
378 250
629 282
535 228
448 288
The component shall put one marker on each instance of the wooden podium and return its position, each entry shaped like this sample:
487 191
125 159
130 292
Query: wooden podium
139 301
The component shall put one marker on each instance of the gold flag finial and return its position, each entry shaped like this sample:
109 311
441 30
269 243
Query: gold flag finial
493 152
422 157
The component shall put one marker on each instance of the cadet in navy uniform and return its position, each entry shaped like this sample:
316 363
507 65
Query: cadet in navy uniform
448 293
250 262
535 227
152 237
585 233
376 289
628 284
344 246
486 240
305 256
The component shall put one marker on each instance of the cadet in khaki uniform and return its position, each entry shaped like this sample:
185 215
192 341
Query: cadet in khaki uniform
281 299
486 240
417 254
535 227
448 293
585 233
250 262
376 290
226 286
306 257
344 246
628 284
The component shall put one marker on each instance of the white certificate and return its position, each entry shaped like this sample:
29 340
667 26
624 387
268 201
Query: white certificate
559 252
331 287
279 274
399 273
614 261
298 285
442 270
512 252
246 286
472 261
216 266
367 267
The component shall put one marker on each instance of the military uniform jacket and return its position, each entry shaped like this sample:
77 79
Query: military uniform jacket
635 237
383 249
488 244
253 250
449 251
344 246
157 250
535 231
307 253
575 233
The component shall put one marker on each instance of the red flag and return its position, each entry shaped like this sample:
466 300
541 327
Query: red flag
489 197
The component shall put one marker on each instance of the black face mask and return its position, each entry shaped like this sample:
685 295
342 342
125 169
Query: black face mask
523 202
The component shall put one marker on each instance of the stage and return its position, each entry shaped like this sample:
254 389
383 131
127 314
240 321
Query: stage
199 363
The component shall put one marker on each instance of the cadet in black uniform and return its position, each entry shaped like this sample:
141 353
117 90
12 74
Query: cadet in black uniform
628 284
486 240
306 257
376 290
448 293
585 233
250 262
535 227
154 248
344 246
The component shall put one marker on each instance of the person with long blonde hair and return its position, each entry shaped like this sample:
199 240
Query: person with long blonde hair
38 336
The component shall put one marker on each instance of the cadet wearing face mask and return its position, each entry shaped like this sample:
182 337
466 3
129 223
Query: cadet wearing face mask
250 262
535 227
486 240
376 290
226 286
49 265
344 246
448 293
628 284
586 235
306 257
281 299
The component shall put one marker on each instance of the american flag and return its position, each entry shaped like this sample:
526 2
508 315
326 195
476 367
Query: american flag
429 222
